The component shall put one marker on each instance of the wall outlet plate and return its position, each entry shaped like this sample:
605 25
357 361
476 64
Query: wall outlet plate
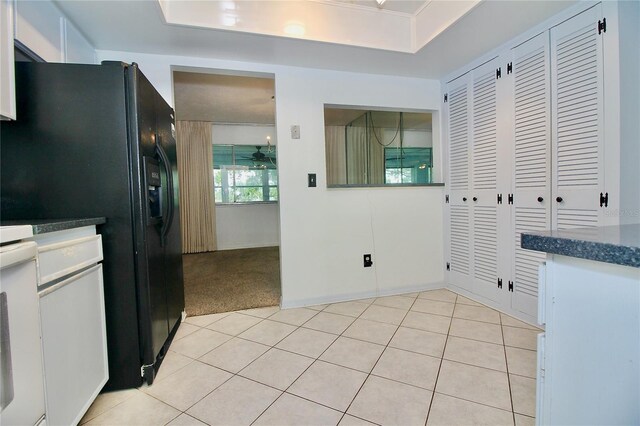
295 131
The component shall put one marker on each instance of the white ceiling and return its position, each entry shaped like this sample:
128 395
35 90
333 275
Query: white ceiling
403 6
138 26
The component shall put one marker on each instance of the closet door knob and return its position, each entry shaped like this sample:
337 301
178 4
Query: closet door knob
475 198
464 198
540 199
559 199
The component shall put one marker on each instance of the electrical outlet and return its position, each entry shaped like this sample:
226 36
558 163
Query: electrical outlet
295 131
312 180
367 261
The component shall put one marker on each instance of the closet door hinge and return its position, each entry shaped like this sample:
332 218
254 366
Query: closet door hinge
509 67
510 199
448 266
602 26
446 199
498 73
446 98
511 286
499 282
604 199
499 198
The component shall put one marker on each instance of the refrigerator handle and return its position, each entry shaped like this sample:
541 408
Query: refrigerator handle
166 223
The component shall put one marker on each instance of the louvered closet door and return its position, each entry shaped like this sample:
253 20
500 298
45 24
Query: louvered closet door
458 181
484 169
531 164
577 138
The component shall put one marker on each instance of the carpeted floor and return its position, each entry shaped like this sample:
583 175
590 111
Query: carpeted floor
230 280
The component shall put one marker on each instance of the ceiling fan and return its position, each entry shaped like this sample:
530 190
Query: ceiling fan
261 158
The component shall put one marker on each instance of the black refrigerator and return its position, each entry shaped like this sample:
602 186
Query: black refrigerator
93 141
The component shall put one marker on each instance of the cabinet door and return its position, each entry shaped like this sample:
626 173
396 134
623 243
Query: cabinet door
459 164
577 120
7 78
74 345
484 180
531 164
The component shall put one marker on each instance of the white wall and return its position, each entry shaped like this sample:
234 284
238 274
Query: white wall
325 232
246 225
629 38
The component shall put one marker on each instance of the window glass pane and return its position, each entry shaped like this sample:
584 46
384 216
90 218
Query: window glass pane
273 193
248 194
244 173
273 177
249 177
217 177
222 156
408 165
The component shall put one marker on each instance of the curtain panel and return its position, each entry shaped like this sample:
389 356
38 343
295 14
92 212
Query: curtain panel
197 203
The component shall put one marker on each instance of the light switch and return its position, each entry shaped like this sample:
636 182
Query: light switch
312 180
295 131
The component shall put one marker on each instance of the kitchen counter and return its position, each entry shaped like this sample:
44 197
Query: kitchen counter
43 226
618 245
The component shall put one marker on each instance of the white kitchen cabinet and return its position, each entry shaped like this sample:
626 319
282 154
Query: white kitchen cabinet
589 355
7 84
38 26
44 29
72 316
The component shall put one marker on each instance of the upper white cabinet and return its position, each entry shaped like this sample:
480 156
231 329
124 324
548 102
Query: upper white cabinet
38 26
41 27
7 89
526 149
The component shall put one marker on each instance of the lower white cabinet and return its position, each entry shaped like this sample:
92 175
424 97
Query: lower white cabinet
589 355
72 319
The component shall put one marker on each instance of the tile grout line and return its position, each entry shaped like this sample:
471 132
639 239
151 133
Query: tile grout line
315 359
435 384
378 360
506 361
336 337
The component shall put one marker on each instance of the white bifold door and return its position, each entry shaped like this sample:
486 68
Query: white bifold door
475 170
531 210
577 121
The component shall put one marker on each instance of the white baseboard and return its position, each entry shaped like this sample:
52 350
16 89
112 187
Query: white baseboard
276 244
323 300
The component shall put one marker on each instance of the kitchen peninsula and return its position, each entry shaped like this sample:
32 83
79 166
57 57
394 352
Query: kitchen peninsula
589 302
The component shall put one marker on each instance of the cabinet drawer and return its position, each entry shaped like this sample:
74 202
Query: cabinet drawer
59 259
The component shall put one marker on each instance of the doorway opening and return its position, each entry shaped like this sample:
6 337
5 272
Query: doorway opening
231 241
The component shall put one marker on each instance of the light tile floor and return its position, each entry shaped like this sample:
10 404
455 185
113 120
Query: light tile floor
433 358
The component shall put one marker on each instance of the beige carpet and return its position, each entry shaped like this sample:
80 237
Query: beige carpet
230 280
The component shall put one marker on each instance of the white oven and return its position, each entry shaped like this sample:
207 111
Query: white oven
22 388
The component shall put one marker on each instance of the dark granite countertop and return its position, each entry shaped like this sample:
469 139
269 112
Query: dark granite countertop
42 226
611 244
